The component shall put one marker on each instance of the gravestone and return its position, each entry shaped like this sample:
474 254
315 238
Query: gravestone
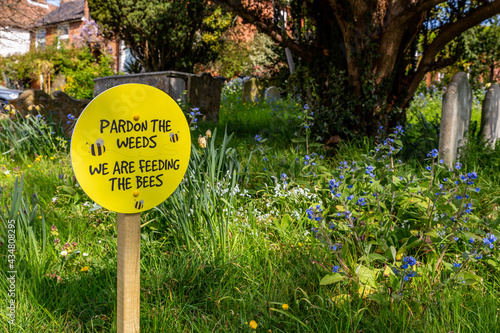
490 115
272 94
56 107
455 117
203 90
252 90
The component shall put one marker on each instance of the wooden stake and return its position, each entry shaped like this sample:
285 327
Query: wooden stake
128 276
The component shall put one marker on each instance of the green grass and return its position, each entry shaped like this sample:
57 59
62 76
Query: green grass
268 258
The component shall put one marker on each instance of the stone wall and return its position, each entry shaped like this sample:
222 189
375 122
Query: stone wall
203 90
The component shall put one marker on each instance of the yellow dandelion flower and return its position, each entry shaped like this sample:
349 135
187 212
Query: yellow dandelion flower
51 157
300 244
8 176
285 306
253 324
29 165
84 269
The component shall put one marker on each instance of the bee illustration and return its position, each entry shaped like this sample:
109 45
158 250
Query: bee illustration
174 137
97 148
139 204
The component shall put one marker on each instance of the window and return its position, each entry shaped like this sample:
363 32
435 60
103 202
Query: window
62 34
40 38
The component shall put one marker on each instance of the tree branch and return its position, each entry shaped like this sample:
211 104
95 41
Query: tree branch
446 34
426 5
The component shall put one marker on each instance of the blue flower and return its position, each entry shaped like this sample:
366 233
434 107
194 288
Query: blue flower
335 269
471 240
433 153
428 168
457 265
458 166
258 137
410 260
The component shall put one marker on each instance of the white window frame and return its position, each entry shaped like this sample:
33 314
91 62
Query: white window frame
40 38
62 33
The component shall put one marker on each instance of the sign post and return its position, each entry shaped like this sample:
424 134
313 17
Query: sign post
128 272
130 150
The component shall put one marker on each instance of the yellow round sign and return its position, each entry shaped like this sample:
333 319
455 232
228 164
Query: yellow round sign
130 148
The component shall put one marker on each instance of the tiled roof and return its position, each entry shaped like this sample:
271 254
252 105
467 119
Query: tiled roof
67 11
22 14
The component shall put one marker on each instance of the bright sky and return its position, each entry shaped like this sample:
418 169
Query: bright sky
53 2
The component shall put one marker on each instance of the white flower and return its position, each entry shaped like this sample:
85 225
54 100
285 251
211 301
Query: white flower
54 199
85 254
64 253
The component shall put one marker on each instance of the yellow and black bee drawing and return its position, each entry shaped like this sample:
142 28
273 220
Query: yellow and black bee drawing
139 204
97 148
174 137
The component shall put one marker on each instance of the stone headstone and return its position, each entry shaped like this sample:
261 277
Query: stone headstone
455 117
56 107
252 90
272 94
176 87
203 90
490 115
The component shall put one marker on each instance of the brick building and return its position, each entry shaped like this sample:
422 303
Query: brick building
70 23
17 18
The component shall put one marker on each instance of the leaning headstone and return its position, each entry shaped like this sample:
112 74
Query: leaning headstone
455 117
490 115
272 93
252 89
56 107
